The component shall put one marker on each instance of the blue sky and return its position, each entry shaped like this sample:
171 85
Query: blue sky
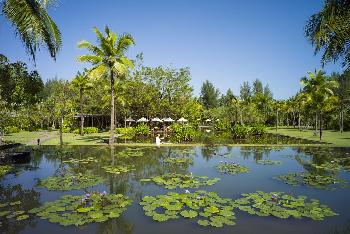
224 41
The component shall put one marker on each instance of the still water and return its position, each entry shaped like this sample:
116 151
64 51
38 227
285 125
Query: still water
21 184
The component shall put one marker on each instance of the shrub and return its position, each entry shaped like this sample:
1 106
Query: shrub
130 132
11 129
222 126
89 130
66 129
258 129
240 131
142 129
183 132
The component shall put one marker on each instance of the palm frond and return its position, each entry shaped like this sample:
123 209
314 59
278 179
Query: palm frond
33 25
87 45
124 42
90 58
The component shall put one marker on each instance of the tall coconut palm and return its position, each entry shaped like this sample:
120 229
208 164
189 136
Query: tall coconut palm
108 59
82 83
33 24
320 88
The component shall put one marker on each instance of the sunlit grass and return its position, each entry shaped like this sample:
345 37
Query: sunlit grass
330 136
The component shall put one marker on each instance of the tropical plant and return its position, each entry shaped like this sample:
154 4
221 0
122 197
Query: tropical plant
108 60
320 88
81 83
33 24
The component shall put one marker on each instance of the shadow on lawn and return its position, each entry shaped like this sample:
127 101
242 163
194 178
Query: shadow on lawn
98 139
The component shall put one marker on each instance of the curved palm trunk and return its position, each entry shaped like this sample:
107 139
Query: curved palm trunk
111 137
81 114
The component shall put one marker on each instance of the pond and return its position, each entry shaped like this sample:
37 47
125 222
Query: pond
163 190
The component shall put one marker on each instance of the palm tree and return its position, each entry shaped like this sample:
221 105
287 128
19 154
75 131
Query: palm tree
82 83
108 59
33 24
328 31
320 88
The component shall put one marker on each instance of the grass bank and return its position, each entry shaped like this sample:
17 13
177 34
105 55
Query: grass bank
330 136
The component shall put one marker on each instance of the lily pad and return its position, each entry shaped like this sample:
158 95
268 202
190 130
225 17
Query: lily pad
4 169
118 169
282 205
269 162
179 160
81 161
12 210
81 210
231 168
130 152
70 182
314 180
211 209
173 180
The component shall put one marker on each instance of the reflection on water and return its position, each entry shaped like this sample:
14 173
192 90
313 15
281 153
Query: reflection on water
47 161
212 138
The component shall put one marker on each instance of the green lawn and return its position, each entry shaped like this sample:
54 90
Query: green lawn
330 136
76 139
28 137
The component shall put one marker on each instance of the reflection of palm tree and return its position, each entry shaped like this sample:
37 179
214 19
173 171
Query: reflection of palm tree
119 225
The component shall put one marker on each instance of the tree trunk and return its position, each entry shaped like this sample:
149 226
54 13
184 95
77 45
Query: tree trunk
316 120
299 120
61 127
111 137
276 120
341 120
320 125
81 114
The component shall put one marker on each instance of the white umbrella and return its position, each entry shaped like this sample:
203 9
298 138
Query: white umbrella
168 120
208 120
156 120
130 120
143 119
182 120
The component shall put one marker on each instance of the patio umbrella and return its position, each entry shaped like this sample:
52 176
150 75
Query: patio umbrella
182 120
130 120
156 120
168 120
142 120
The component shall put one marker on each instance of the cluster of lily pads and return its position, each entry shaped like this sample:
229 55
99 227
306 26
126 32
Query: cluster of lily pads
130 152
70 182
81 161
179 160
282 205
268 162
80 210
4 169
211 209
183 151
118 169
231 168
174 180
12 210
313 180
336 164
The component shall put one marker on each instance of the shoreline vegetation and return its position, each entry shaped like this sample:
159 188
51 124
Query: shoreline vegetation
331 138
